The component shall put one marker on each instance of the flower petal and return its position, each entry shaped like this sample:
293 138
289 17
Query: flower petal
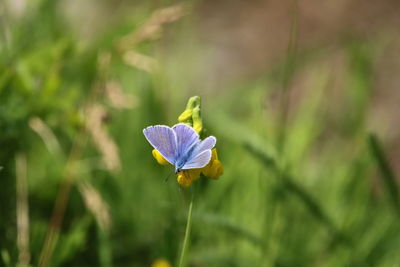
160 159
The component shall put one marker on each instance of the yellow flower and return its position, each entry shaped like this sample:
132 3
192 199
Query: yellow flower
161 263
187 177
214 168
160 159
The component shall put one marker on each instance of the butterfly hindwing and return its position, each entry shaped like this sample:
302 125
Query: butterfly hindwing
206 144
201 154
164 140
198 161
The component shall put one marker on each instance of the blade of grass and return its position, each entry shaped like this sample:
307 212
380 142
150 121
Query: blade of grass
310 203
22 210
288 71
60 205
105 253
388 177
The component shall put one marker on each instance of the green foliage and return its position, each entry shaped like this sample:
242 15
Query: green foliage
313 201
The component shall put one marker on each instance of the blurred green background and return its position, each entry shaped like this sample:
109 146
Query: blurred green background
302 96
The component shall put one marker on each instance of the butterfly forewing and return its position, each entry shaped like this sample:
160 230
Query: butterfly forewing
164 140
186 138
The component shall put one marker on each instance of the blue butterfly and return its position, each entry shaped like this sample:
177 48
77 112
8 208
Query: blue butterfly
180 145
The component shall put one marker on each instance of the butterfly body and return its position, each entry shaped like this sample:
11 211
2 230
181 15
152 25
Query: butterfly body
182 159
180 145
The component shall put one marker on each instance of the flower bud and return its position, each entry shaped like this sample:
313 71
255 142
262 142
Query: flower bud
183 179
214 169
196 118
185 116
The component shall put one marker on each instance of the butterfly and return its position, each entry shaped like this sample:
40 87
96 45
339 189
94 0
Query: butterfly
180 145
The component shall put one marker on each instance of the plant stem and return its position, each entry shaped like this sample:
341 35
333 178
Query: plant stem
187 234
61 203
288 71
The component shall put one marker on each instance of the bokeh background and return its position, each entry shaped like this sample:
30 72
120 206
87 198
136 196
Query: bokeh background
303 97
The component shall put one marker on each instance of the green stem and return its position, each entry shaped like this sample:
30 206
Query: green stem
187 234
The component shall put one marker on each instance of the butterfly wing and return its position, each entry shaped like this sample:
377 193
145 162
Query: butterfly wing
186 138
206 144
198 161
164 140
201 154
